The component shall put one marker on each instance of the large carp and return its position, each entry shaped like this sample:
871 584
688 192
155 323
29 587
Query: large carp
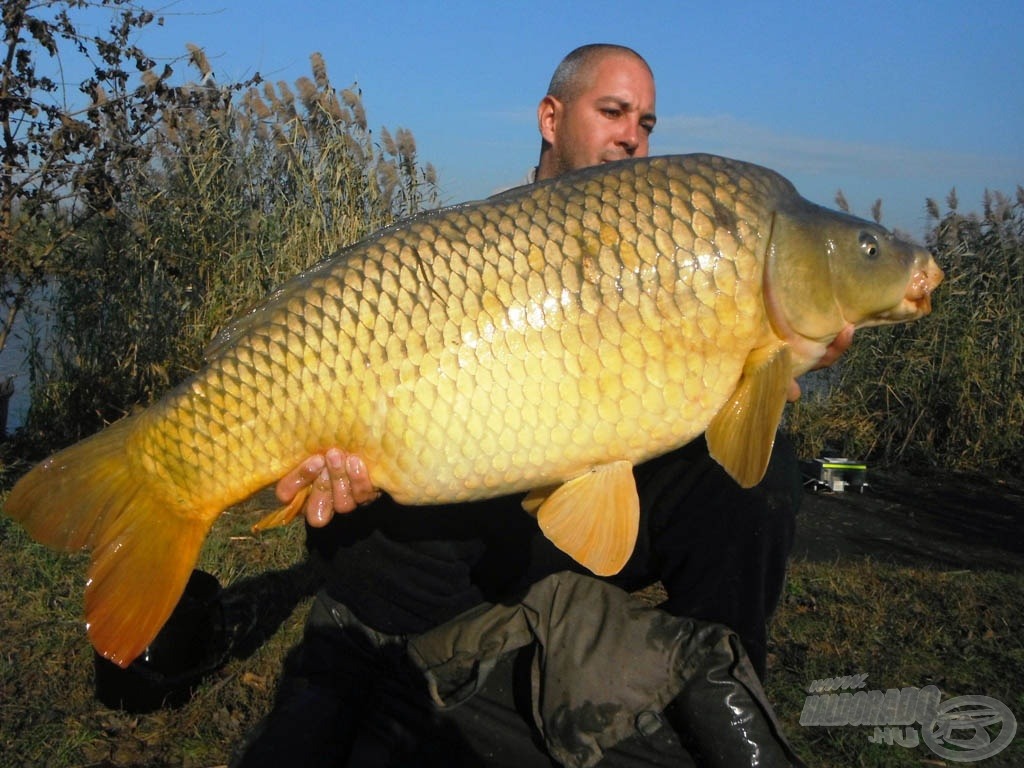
543 340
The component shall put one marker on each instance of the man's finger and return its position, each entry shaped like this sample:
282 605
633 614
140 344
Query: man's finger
363 491
835 350
300 477
340 488
319 507
793 391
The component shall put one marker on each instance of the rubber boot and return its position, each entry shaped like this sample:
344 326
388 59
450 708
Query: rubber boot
722 713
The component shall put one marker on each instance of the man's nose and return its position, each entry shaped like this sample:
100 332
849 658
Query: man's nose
630 137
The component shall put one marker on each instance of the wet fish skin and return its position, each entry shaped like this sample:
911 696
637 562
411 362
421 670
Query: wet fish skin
548 339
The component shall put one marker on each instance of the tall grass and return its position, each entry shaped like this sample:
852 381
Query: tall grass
948 390
238 190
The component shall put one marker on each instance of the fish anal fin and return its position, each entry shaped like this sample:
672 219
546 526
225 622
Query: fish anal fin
594 518
741 435
535 498
283 515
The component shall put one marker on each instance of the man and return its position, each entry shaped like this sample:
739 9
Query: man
447 591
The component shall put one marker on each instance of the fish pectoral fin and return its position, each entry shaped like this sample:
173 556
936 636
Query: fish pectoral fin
593 518
283 515
741 435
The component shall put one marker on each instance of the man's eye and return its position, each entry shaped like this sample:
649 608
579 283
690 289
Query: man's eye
611 112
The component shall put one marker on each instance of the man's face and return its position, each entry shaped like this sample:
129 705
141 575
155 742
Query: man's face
610 119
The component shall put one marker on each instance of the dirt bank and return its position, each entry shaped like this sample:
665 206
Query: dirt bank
945 521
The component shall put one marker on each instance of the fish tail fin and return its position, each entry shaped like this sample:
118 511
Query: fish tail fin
143 548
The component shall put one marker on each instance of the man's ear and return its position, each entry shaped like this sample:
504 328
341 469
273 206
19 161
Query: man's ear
549 113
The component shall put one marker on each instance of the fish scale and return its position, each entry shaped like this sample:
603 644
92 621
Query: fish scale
545 340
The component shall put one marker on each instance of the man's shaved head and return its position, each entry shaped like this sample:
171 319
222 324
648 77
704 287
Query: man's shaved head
573 73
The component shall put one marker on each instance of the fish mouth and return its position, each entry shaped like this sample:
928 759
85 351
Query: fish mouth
917 299
922 283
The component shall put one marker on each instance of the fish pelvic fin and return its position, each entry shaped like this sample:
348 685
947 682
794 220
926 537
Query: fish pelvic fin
741 435
283 515
143 548
594 518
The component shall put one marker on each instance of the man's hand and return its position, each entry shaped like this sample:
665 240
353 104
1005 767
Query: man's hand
338 482
835 350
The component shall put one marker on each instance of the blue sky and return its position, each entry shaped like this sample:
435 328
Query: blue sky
897 100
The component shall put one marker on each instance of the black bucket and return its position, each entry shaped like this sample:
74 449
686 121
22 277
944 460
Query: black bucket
190 645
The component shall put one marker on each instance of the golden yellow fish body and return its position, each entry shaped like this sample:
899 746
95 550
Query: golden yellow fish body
488 348
548 338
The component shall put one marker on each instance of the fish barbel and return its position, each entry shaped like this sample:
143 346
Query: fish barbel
543 340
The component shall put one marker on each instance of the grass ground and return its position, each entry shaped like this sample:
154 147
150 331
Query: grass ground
48 713
962 631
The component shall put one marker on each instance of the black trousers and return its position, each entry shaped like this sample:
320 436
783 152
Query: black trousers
344 701
720 552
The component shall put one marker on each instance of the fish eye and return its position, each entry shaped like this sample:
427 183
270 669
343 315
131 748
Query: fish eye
869 245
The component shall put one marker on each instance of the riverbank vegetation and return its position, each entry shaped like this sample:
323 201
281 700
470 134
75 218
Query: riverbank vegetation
176 206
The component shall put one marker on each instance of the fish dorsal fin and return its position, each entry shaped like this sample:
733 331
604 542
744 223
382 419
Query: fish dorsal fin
741 435
593 518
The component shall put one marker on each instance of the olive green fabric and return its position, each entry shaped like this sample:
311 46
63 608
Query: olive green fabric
606 667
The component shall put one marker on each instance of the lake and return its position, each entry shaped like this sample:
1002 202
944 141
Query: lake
13 360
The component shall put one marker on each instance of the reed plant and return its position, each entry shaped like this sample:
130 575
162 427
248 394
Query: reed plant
235 190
